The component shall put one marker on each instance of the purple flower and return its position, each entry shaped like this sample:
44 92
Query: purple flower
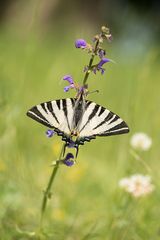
68 160
80 43
69 156
98 67
68 78
101 53
71 82
66 89
102 71
100 64
103 61
50 133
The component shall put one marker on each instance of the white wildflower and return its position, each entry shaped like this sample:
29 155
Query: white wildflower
137 185
141 141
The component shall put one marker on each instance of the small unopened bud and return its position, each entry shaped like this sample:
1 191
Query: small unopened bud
96 37
108 37
101 39
105 29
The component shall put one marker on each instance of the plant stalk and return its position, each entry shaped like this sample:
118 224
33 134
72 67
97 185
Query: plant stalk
47 193
90 63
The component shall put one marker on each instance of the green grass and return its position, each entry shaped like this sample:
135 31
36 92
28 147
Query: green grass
87 202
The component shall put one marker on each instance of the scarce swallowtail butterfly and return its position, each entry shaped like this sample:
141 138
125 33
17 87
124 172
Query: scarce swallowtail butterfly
78 120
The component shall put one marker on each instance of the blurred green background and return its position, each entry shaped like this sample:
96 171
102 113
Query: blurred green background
36 51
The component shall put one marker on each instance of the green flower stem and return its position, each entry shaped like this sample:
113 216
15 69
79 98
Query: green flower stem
47 192
90 63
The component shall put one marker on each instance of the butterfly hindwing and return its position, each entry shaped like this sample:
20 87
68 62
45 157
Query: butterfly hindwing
57 114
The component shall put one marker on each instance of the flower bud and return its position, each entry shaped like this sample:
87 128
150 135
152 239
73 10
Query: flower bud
80 43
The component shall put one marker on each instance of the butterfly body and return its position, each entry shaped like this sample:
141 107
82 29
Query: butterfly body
78 120
78 112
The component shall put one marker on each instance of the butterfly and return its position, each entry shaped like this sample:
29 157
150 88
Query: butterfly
78 120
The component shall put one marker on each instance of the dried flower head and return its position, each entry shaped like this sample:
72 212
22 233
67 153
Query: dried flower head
141 141
137 185
106 33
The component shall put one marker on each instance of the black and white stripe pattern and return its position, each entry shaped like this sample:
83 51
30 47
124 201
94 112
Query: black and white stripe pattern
94 120
57 114
98 121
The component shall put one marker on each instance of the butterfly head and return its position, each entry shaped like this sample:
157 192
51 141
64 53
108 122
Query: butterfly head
74 133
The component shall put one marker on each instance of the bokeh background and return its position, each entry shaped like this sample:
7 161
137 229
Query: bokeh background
36 51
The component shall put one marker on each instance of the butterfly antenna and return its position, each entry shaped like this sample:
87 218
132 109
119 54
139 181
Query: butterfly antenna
95 91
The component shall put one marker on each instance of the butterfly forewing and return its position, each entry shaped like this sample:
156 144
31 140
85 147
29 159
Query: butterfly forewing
56 114
99 121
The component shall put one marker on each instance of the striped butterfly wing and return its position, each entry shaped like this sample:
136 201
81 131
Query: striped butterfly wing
99 121
57 114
